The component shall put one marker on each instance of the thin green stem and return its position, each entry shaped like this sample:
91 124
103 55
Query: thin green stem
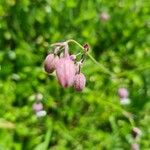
73 41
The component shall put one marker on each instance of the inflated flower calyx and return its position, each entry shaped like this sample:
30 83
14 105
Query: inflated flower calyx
79 82
65 71
50 63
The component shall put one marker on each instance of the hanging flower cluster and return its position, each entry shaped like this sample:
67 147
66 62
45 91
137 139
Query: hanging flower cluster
68 69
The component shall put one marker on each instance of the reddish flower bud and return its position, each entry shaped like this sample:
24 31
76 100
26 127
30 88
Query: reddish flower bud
65 71
79 82
50 63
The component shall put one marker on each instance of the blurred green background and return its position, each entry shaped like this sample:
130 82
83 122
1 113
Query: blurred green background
120 41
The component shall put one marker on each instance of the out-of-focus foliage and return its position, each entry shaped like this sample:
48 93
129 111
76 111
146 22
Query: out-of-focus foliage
74 120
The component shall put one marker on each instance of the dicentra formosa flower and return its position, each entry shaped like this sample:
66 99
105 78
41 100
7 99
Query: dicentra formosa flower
50 63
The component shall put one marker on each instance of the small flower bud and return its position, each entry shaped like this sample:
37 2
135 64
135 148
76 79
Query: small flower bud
123 93
79 82
50 63
65 71
86 47
73 57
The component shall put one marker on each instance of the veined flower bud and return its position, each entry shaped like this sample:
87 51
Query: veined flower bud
123 93
50 63
65 71
79 82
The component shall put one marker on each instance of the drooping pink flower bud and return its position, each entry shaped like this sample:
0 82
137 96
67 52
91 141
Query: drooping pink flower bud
79 82
104 16
65 71
50 63
37 107
123 93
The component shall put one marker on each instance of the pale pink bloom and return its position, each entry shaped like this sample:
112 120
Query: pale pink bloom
104 16
50 63
123 93
37 107
65 71
79 82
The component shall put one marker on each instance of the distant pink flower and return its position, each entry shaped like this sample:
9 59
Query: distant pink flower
123 93
136 132
37 107
135 146
50 63
104 16
79 82
65 71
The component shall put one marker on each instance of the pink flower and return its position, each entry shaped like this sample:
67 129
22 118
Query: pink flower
79 82
50 63
65 71
123 93
37 107
104 16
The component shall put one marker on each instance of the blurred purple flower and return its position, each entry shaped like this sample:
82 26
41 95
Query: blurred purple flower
73 57
123 93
